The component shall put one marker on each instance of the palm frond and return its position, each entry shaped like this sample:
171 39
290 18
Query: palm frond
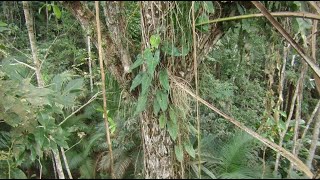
121 167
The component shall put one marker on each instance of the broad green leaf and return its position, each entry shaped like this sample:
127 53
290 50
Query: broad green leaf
197 6
179 152
162 120
208 6
57 11
188 147
147 54
136 81
202 19
155 41
162 98
172 129
18 174
75 84
156 107
137 63
164 80
153 62
145 83
170 49
173 116
141 105
2 24
39 136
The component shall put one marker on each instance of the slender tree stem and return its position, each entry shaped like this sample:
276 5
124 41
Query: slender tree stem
89 61
104 88
66 162
195 64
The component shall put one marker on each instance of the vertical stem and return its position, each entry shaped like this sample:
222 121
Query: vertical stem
29 23
316 130
57 160
282 134
89 62
196 81
30 27
54 168
66 163
104 88
40 174
314 140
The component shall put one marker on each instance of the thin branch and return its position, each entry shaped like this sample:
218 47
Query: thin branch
300 165
305 15
105 114
33 68
309 60
89 101
195 71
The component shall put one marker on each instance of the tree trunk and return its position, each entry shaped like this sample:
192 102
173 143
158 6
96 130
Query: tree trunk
29 23
158 157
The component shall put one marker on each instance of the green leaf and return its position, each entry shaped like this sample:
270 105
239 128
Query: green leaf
2 24
164 80
170 49
188 147
153 62
283 114
179 152
142 101
18 174
137 63
156 107
146 82
162 98
162 120
136 81
57 11
202 19
75 84
172 129
155 41
173 116
39 136
208 6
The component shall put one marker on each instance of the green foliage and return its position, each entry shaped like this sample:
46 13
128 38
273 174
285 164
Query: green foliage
233 158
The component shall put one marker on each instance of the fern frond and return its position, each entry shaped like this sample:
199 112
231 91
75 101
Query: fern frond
121 167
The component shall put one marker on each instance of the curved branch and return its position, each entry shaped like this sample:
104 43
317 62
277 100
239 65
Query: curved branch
275 14
309 60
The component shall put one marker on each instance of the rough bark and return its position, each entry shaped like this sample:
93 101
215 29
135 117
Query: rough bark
157 145
87 20
115 21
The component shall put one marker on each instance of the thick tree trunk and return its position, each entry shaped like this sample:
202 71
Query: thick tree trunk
158 157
